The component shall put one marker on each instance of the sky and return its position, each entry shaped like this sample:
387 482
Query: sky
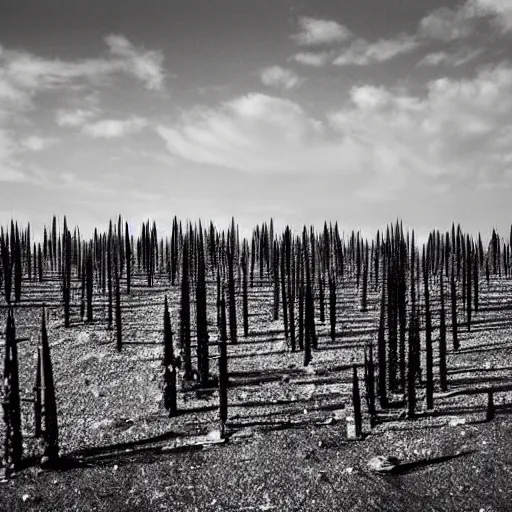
300 110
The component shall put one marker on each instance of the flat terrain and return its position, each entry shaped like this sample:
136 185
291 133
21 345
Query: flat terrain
288 448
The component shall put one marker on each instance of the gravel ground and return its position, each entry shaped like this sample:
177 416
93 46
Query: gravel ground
289 449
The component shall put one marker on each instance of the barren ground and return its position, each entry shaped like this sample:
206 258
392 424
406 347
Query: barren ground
288 448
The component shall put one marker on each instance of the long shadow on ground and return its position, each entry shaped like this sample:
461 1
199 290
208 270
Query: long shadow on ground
408 467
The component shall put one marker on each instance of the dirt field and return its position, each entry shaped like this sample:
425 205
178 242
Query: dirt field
287 448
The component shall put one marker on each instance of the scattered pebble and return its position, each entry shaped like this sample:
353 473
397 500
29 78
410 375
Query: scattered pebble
383 464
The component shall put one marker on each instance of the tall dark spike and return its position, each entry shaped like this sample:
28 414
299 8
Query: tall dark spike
51 427
119 325
381 348
428 337
223 368
38 431
169 363
185 313
332 306
442 340
453 293
13 440
356 400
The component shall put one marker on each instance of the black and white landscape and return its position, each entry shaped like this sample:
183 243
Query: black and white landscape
256 255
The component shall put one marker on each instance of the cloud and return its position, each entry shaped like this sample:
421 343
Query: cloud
381 141
445 24
316 31
28 73
36 143
147 66
450 59
459 131
25 75
114 128
362 52
316 59
256 133
71 118
276 76
499 10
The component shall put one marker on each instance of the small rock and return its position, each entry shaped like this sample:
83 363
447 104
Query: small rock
116 467
25 497
351 428
338 414
456 421
310 370
349 470
214 435
243 434
383 464
328 421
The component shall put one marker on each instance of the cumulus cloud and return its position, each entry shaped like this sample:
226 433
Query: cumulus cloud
445 24
24 75
316 31
362 52
114 128
36 143
255 133
71 118
460 129
499 10
381 140
277 76
316 59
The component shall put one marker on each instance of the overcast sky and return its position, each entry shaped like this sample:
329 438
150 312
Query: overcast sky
300 110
